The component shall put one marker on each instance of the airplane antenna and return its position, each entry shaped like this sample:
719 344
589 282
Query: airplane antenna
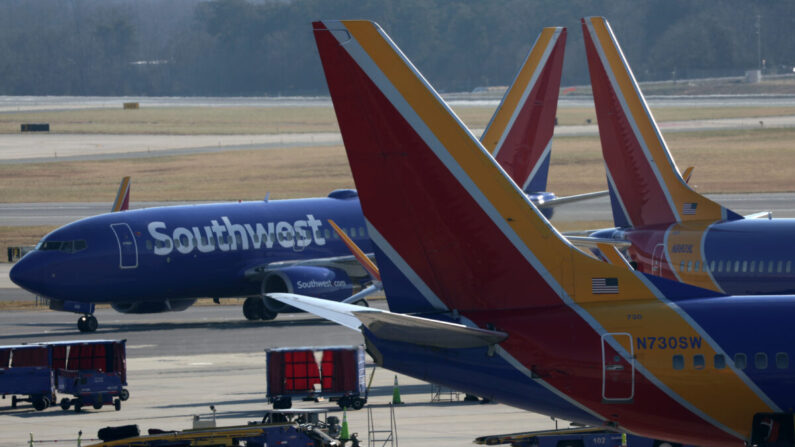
267 196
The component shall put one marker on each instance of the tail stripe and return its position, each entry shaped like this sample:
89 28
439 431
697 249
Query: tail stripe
543 161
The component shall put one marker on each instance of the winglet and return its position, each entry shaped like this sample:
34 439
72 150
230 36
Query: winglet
640 168
122 202
520 132
366 263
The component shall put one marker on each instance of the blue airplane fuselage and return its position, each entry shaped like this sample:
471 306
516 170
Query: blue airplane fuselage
181 252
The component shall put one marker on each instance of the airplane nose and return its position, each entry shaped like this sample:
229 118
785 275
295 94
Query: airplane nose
26 274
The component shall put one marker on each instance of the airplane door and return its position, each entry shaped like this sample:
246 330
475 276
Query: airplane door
656 259
618 373
128 250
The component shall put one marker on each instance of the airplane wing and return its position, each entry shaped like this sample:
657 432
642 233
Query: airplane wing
594 242
349 264
395 327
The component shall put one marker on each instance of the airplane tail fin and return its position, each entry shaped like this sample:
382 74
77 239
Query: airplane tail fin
641 172
519 134
450 230
122 202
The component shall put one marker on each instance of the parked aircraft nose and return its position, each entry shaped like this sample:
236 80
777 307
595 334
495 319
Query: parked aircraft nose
26 274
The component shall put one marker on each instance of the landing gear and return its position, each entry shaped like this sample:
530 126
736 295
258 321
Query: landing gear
254 309
87 323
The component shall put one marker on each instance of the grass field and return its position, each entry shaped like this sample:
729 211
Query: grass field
268 120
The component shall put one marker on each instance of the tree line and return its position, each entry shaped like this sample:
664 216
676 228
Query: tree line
240 47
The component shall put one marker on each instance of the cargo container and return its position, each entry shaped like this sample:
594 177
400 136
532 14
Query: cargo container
312 373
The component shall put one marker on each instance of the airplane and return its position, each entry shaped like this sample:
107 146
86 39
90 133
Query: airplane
668 228
486 297
163 258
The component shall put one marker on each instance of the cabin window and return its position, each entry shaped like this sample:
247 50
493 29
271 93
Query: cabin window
740 361
752 268
789 266
737 266
679 361
760 360
51 245
780 266
719 361
149 244
782 360
239 240
720 266
770 267
698 361
712 266
327 234
177 243
745 266
80 244
696 266
689 265
335 235
682 266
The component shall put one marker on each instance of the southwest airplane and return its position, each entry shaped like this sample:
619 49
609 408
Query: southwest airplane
671 230
506 308
162 259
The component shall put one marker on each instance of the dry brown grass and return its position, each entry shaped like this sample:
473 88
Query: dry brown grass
727 161
268 120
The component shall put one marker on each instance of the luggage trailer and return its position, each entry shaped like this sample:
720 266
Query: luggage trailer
93 371
336 373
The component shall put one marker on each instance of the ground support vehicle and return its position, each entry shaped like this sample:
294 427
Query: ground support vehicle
93 372
312 373
573 437
26 375
283 428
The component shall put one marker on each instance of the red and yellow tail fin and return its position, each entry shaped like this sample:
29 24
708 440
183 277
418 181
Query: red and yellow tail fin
642 173
122 202
520 132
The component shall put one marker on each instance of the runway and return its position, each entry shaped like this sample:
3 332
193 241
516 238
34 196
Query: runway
49 148
61 213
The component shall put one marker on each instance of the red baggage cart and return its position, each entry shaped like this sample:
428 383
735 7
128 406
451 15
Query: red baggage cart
335 373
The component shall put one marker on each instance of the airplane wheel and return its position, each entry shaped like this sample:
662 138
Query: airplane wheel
91 323
253 308
81 324
124 394
267 315
65 404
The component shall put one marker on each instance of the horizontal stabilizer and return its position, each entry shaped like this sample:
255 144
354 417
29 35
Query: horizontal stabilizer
395 327
571 199
594 242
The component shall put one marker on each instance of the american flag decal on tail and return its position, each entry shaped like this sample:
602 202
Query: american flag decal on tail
689 208
604 285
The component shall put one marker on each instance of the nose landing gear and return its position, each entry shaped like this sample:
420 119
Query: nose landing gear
87 323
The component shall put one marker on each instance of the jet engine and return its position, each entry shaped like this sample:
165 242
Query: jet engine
318 282
153 307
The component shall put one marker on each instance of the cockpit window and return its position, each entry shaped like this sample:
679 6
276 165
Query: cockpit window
63 246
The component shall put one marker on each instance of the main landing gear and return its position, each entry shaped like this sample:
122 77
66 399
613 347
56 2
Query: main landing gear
254 309
87 323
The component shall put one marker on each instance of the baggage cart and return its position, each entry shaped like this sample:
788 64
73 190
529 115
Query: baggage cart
93 372
26 375
335 373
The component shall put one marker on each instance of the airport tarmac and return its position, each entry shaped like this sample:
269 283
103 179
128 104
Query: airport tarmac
181 363
55 147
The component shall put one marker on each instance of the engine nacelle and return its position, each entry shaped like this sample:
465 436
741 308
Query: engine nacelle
153 307
318 282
